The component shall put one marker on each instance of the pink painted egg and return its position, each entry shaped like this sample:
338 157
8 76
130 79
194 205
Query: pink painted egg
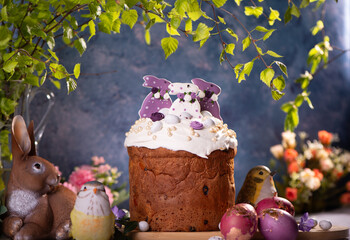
277 224
239 222
275 202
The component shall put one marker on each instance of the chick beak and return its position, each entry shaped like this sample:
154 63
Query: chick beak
273 173
95 190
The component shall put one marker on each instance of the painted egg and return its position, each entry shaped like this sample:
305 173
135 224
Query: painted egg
185 115
325 225
157 126
171 119
277 224
275 202
164 111
239 222
215 238
208 123
143 226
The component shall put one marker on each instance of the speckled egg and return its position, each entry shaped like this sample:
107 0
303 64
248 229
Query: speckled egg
275 202
185 115
239 222
277 224
325 225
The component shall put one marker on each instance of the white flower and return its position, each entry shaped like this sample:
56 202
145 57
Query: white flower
345 158
326 164
308 154
277 151
307 75
315 145
157 95
201 94
214 97
313 184
288 139
166 96
307 176
187 98
322 154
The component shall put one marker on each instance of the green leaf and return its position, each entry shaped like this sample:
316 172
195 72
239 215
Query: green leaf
246 42
58 70
43 78
5 37
171 30
276 94
76 70
201 32
309 102
248 68
286 107
304 3
147 37
129 17
229 48
7 106
71 85
57 84
169 45
295 11
3 210
194 12
32 80
282 67
261 29
155 17
274 15
268 34
201 43
222 20
238 2
319 26
80 45
188 26
219 3
252 10
131 3
279 83
273 54
232 33
175 22
299 100
294 117
4 14
92 28
50 42
131 225
288 15
267 75
9 66
222 58
53 54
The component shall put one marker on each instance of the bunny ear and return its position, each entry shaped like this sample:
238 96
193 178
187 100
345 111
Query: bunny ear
32 139
21 144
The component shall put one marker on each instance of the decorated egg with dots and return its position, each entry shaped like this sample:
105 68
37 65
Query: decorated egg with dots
185 115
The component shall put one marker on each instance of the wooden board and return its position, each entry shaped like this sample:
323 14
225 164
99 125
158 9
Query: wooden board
334 233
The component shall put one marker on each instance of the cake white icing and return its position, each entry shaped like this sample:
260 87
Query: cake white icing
175 133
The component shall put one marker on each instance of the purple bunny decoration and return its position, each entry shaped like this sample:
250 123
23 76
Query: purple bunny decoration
158 98
208 96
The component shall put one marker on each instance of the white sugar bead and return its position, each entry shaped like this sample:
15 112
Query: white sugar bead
214 97
215 238
157 95
201 94
143 226
166 96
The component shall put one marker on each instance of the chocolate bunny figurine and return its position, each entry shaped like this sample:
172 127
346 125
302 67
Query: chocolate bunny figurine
38 208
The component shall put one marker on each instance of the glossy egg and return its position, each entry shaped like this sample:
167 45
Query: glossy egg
171 119
325 225
157 126
239 222
275 202
277 224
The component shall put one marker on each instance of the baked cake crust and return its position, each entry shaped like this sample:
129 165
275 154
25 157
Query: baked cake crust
178 190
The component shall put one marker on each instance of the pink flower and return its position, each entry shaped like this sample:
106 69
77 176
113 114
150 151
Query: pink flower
104 168
97 160
290 155
70 187
109 194
325 137
293 167
80 176
85 167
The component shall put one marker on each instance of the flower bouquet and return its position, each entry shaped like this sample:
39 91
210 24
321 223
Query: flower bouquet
313 174
102 172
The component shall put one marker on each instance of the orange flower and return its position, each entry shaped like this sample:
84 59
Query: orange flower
318 174
348 186
291 194
325 137
345 198
290 155
293 167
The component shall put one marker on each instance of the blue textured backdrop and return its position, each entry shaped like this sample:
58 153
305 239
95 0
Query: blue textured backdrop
93 119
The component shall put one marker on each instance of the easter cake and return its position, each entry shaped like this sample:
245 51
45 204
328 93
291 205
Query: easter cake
181 158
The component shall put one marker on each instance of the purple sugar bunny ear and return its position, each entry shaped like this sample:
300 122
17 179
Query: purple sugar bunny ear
158 98
207 96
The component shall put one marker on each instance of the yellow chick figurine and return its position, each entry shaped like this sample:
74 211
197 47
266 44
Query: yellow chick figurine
257 185
91 216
